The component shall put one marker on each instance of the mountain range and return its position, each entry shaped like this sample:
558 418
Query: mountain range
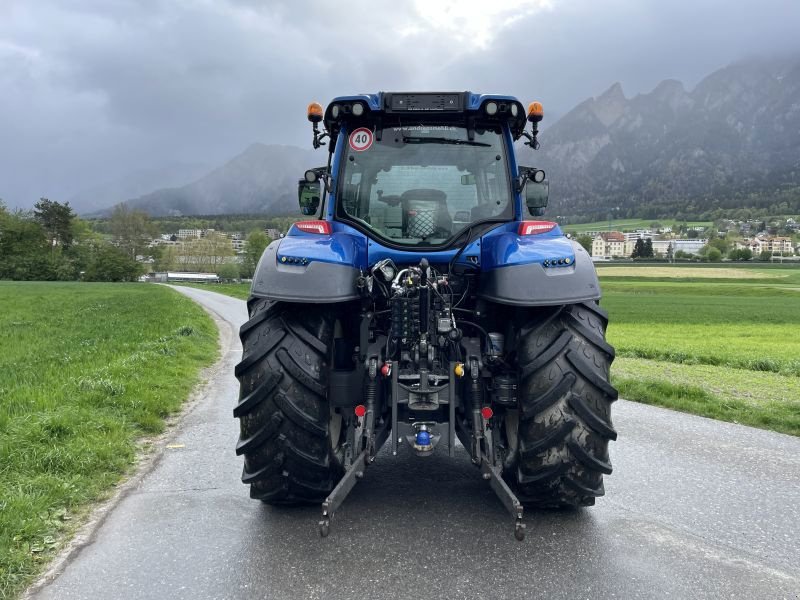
731 142
133 185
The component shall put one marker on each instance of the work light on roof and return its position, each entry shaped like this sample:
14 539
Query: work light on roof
358 109
491 108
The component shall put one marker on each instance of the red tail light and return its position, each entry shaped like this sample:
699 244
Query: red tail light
321 227
535 227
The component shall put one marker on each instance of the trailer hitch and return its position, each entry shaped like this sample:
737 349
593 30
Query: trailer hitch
492 470
351 477
507 497
340 492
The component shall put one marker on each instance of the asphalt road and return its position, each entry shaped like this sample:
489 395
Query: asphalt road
695 509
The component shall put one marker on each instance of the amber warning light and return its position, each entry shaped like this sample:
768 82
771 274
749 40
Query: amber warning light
535 112
315 112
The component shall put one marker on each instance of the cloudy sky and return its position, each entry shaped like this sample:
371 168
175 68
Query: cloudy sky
91 90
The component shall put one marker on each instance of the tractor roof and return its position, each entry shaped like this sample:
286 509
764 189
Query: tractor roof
426 105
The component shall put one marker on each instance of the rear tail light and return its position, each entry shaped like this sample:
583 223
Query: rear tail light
535 227
321 227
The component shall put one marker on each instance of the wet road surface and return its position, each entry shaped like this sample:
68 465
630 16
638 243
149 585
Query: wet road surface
695 508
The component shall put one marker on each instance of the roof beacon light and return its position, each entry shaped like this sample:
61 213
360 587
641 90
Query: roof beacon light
535 227
535 112
315 112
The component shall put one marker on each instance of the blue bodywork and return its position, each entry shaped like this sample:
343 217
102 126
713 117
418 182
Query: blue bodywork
549 258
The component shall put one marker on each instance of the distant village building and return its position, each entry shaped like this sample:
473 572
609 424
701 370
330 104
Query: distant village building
186 234
610 244
273 234
688 246
614 244
774 245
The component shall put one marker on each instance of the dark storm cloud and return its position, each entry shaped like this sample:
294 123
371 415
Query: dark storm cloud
92 89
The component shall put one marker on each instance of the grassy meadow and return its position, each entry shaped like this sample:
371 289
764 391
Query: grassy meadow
630 225
86 370
236 290
719 341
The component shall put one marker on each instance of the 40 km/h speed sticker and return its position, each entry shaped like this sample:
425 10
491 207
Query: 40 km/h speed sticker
361 139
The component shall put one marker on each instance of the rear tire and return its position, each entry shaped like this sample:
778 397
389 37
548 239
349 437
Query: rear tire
563 424
283 412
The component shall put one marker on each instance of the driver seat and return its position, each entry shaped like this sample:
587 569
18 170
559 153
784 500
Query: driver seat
425 213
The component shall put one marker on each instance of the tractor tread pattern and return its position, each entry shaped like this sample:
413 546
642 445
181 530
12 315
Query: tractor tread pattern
565 401
283 410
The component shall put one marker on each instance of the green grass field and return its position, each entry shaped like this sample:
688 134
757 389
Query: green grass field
629 225
237 290
86 370
716 340
721 347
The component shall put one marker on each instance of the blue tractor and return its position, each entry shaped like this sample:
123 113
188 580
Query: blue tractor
421 304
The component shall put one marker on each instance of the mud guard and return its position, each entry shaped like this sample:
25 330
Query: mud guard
315 281
535 284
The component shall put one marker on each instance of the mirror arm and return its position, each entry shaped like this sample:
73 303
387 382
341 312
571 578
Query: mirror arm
525 173
532 137
323 174
319 136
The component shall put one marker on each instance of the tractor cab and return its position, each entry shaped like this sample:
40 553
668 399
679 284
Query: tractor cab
418 171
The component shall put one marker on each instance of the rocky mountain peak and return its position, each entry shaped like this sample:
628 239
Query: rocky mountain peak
730 142
610 105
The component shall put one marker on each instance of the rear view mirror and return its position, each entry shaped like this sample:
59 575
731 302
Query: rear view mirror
536 196
308 194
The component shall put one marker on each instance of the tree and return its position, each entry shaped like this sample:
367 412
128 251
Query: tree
723 245
166 259
25 253
638 249
742 254
56 220
765 256
585 241
228 271
257 241
648 248
110 263
206 254
714 255
132 230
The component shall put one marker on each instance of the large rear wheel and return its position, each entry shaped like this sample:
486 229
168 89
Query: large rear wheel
290 438
558 438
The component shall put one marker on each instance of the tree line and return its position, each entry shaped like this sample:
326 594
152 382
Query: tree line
50 243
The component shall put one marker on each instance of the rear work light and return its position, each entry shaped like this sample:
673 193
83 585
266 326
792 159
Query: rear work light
535 227
321 227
